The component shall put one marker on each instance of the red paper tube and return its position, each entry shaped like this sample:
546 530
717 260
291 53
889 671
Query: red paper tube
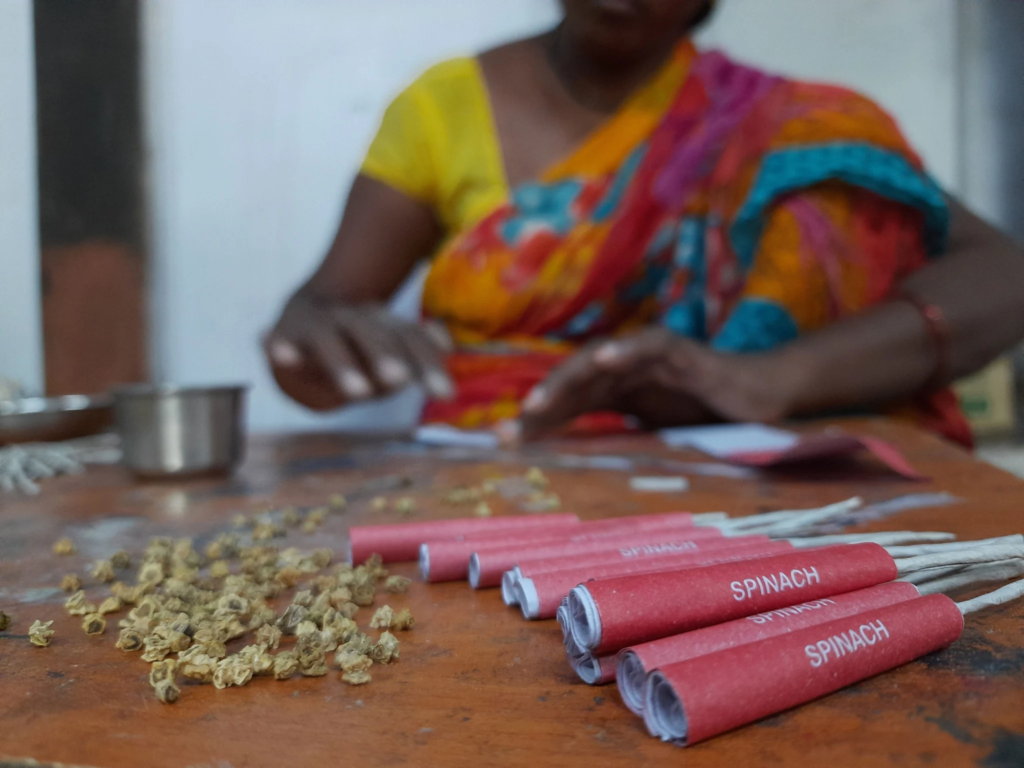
487 566
401 541
708 695
613 613
541 594
637 662
628 554
449 560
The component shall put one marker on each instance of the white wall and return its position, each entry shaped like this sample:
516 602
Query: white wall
260 110
21 355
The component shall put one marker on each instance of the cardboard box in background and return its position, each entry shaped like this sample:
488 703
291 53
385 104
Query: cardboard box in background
988 399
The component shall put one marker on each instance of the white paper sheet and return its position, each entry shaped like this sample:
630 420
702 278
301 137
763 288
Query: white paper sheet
724 440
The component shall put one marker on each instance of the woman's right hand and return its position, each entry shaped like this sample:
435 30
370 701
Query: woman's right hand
327 354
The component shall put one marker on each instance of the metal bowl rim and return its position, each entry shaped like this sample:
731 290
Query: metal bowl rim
176 390
34 406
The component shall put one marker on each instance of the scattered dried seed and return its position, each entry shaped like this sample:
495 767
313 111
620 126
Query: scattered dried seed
385 650
397 584
219 569
403 620
70 583
77 605
64 546
382 618
121 560
405 505
356 678
94 624
240 521
39 633
269 636
363 594
130 639
379 504
112 604
290 517
161 671
350 661
338 501
536 478
104 571
167 692
285 665
483 509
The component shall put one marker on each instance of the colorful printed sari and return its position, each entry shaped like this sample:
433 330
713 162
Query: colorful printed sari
746 211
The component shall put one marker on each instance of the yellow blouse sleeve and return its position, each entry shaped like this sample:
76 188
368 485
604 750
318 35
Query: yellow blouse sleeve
437 144
401 155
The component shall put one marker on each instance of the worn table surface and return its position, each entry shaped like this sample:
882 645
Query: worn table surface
476 685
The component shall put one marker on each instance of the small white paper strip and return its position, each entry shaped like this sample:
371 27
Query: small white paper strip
659 484
442 434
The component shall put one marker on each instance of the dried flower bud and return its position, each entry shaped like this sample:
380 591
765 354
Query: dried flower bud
71 583
403 620
231 671
5 621
262 616
77 605
199 667
94 624
264 531
232 605
268 636
156 648
285 665
112 604
64 546
290 517
167 692
356 678
290 619
385 650
161 671
303 597
151 573
290 576
483 509
338 597
359 643
322 557
379 504
219 569
536 478
349 661
405 505
348 610
121 560
397 584
262 663
39 633
324 583
317 516
382 618
305 628
363 594
214 551
130 639
240 521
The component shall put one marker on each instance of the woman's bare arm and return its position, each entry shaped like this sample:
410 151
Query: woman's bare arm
335 341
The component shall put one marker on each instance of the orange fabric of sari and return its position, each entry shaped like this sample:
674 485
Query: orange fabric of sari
731 206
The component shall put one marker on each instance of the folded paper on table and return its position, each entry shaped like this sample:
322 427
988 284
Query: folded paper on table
757 445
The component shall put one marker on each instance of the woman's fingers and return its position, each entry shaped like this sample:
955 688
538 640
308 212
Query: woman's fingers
340 364
421 347
382 354
577 386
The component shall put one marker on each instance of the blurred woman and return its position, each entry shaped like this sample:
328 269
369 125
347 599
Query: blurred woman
620 224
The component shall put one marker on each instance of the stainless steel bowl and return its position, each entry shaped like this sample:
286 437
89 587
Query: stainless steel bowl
51 419
169 431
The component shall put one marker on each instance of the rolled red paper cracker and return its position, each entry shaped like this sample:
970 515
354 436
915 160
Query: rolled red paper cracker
637 662
711 694
448 560
487 566
613 613
540 595
401 541
631 554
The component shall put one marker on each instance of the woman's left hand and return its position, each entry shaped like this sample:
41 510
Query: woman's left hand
663 379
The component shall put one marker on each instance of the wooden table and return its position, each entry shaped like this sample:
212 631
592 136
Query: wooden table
476 684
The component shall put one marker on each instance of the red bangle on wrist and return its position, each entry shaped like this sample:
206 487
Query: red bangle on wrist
938 329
